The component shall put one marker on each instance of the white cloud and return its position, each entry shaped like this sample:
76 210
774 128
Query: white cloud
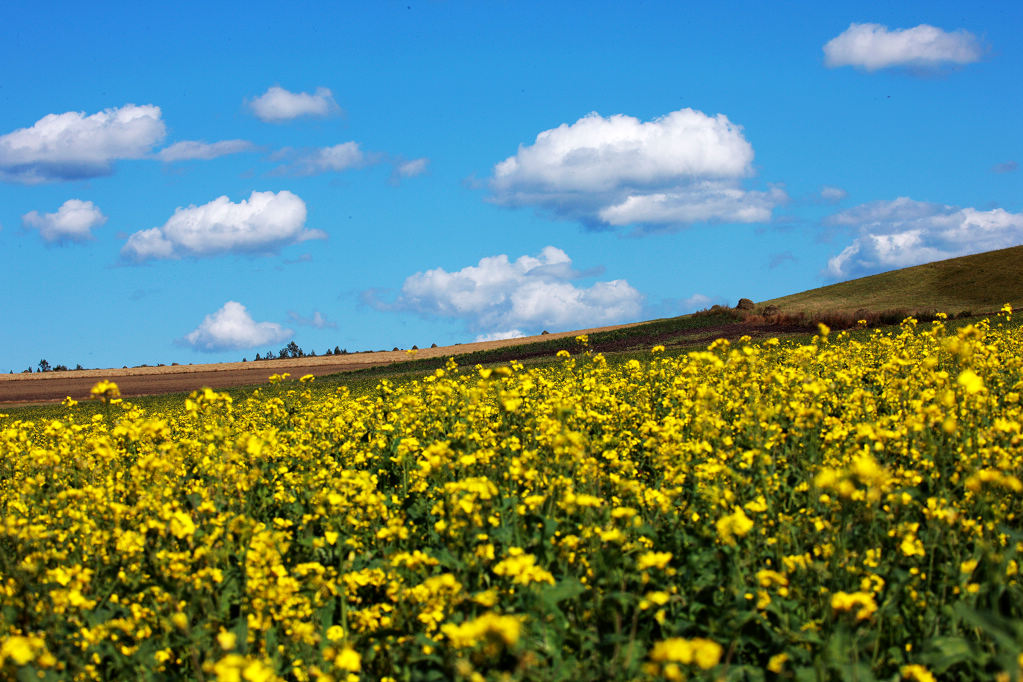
340 157
833 194
264 222
412 168
500 336
900 233
317 320
188 150
873 47
232 328
704 202
277 104
73 221
73 146
500 296
696 302
681 168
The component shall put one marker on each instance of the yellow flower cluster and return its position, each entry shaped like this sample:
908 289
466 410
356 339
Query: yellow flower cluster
797 508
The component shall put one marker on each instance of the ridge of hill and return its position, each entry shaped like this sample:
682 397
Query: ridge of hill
979 283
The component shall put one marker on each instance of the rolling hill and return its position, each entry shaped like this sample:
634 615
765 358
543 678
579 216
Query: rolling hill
979 283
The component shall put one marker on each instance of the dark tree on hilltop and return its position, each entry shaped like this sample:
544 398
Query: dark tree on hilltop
291 351
44 366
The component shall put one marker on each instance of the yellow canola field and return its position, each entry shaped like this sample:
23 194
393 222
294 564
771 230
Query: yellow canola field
842 509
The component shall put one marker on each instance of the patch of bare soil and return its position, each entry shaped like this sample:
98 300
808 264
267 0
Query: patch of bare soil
55 386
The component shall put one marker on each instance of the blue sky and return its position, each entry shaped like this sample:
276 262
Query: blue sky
208 181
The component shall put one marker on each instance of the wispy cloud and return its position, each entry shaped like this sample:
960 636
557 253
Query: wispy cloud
1007 167
779 259
317 320
409 169
832 195
188 150
333 159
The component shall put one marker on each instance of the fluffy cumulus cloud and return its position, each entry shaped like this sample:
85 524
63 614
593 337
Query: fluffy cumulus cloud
873 47
277 105
903 232
264 222
188 150
232 328
74 146
73 221
682 168
500 298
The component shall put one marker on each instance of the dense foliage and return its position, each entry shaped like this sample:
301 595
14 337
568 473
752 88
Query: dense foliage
839 509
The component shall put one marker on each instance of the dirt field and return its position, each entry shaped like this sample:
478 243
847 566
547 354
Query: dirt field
46 387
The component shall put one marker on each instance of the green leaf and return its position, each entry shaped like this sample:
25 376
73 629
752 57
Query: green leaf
569 588
941 653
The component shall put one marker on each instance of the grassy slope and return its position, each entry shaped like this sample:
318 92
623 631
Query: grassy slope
980 283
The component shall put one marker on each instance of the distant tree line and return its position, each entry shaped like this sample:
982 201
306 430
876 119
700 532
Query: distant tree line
45 366
292 350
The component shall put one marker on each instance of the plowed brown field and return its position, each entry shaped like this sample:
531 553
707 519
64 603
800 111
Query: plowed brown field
46 387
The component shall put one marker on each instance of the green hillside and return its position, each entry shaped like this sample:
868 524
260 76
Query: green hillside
979 283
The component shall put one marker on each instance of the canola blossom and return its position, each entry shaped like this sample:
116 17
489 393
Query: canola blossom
847 508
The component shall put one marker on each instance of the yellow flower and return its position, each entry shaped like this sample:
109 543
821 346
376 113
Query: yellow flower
257 671
503 629
349 659
736 524
107 390
18 649
969 380
777 662
862 602
181 525
704 653
522 568
911 546
653 560
917 673
227 640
